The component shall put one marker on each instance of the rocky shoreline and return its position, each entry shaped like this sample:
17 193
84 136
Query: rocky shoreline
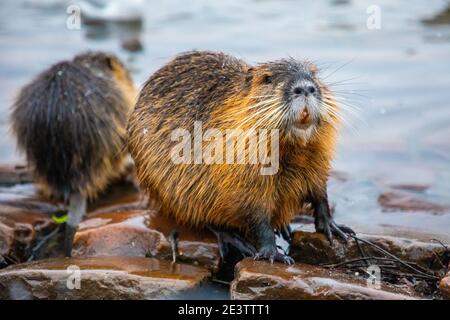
122 251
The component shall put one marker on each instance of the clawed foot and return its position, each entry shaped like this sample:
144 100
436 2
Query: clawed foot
272 254
330 228
285 232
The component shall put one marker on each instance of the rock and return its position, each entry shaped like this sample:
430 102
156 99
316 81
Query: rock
143 233
314 248
99 278
122 196
21 229
407 177
339 176
132 44
404 201
257 280
444 286
25 218
14 174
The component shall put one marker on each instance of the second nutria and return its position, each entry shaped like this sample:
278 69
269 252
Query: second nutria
223 92
70 121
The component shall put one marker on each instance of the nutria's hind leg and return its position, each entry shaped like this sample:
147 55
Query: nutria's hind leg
264 235
76 211
233 238
325 224
286 233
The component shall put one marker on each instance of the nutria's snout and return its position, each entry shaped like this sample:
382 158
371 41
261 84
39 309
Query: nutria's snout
305 101
293 89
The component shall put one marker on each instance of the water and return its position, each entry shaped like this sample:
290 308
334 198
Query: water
399 75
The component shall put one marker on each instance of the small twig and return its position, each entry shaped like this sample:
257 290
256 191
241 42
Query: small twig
227 283
439 260
447 251
10 258
406 265
361 252
365 259
397 273
41 243
440 242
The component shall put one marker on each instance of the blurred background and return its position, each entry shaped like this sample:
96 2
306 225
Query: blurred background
392 170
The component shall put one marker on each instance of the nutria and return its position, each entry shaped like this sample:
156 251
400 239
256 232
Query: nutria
70 121
224 92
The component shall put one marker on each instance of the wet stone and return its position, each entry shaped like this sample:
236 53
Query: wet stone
143 233
26 227
14 174
21 229
408 201
260 280
314 248
99 278
123 196
444 285
132 44
407 178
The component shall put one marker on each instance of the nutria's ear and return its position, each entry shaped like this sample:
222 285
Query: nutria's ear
249 75
313 68
110 63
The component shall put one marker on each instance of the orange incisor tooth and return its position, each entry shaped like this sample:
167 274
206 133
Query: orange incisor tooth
304 116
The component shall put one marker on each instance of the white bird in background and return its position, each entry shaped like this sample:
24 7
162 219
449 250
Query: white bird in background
112 10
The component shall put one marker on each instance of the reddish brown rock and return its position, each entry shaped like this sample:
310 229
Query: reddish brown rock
21 229
132 44
141 233
99 278
14 174
407 177
444 286
256 280
25 218
404 201
122 196
314 248
339 176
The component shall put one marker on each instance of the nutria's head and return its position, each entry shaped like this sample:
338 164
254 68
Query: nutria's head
290 97
108 66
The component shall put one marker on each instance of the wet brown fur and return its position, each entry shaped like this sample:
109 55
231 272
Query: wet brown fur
215 88
70 121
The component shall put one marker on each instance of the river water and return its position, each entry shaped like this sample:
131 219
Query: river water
397 76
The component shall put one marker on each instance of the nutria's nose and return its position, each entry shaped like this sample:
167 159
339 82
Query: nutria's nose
304 90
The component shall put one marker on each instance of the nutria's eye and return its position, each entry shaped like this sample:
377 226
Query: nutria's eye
267 79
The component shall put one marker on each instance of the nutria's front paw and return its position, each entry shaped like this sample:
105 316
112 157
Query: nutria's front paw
272 254
329 228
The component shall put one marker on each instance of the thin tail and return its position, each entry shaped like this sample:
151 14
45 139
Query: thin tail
76 211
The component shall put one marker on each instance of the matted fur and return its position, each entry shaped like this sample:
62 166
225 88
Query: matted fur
214 88
70 121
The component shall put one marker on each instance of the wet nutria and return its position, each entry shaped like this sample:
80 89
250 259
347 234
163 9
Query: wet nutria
223 92
70 122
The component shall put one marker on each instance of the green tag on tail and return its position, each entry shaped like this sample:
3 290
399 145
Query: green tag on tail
60 217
